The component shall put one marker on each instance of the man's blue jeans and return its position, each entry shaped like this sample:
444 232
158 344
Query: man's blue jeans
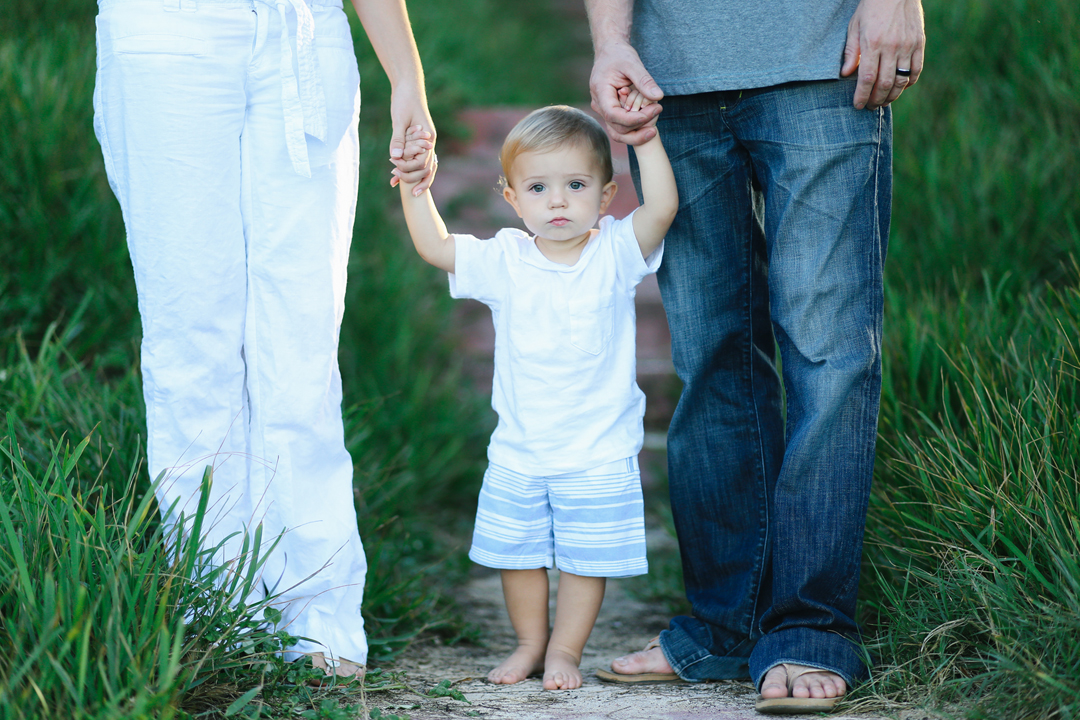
779 243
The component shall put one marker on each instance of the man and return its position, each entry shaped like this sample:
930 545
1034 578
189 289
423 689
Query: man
782 155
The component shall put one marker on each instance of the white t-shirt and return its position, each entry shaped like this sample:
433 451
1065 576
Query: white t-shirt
565 383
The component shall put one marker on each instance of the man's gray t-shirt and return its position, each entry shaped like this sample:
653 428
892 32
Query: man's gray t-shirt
693 46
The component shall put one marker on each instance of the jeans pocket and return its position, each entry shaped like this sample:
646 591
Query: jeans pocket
592 322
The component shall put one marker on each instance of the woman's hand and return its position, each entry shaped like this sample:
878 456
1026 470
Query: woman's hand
412 145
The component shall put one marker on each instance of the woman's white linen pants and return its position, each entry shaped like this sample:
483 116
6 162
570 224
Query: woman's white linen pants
229 136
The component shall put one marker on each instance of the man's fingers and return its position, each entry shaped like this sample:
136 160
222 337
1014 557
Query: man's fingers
645 84
868 73
903 72
916 66
635 137
886 81
851 49
626 123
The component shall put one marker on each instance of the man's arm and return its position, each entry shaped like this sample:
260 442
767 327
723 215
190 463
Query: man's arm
386 23
883 36
616 65
658 191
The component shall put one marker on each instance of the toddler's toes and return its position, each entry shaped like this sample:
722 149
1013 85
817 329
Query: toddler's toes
562 672
560 681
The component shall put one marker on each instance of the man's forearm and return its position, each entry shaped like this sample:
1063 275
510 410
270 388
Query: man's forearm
609 20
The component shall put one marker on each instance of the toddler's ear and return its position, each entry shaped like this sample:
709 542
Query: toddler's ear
608 195
511 197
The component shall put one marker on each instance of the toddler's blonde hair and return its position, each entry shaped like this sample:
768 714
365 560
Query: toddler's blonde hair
550 127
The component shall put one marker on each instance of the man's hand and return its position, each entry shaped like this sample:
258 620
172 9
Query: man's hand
617 71
883 36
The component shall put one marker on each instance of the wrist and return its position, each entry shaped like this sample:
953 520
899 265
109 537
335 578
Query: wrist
612 45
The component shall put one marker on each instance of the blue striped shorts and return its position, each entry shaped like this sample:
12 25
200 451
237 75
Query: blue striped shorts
589 522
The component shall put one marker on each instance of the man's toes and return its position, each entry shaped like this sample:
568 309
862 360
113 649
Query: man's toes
832 685
643 661
819 685
775 683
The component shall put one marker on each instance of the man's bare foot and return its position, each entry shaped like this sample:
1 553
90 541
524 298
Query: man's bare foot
647 661
561 671
809 684
525 661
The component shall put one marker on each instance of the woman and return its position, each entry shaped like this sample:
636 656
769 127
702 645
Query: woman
229 134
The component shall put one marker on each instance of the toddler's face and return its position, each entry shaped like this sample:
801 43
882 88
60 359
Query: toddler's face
559 194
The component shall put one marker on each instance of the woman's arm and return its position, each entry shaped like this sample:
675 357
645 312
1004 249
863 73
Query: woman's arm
386 23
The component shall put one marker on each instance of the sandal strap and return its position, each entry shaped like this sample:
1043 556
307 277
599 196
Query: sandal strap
794 672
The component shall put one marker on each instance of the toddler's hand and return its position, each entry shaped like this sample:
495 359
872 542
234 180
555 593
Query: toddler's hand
417 144
631 99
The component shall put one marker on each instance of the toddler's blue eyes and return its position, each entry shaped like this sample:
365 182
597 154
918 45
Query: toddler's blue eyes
536 188
577 185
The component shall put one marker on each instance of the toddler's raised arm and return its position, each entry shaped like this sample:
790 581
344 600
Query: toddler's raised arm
426 226
661 197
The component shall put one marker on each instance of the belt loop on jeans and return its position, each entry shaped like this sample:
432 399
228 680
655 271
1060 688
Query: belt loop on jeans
302 99
170 5
189 5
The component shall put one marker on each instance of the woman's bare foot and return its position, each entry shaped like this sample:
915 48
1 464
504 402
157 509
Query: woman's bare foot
339 668
561 671
527 660
809 684
649 660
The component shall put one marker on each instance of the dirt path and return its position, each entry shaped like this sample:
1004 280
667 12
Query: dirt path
624 624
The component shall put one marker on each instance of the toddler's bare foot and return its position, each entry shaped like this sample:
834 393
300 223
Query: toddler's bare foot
523 662
561 671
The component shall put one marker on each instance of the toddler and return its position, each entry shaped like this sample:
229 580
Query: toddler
563 482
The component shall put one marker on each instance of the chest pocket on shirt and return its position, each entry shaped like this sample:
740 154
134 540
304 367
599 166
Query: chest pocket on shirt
592 322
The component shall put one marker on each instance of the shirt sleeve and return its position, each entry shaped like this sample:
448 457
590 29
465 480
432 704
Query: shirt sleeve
632 267
478 269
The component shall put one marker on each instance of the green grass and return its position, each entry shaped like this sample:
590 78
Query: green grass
974 527
987 147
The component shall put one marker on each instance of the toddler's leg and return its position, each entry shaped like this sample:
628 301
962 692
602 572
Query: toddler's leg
578 605
526 594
